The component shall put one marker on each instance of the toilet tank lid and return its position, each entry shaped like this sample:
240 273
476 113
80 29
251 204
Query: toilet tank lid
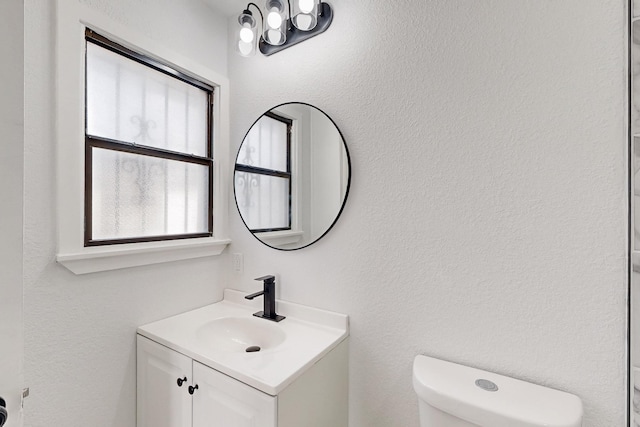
452 389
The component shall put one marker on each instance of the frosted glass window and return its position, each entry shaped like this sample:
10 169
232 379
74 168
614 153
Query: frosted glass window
131 102
148 142
263 200
266 145
142 196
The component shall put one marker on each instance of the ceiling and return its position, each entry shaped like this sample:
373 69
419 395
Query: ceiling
227 7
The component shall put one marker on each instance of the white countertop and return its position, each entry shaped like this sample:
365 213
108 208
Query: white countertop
310 334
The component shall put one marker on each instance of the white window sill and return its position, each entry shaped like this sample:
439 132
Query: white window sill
114 257
280 237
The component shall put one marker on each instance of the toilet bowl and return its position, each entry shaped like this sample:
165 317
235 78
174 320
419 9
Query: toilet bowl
452 395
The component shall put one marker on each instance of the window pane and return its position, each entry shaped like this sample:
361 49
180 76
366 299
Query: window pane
263 200
131 102
142 196
265 146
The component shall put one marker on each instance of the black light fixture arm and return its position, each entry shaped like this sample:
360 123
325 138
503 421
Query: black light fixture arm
289 24
247 11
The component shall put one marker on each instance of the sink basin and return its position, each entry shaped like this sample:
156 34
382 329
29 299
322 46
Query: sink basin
218 336
236 334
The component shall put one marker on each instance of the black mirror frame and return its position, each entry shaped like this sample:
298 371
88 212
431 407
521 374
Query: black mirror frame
346 193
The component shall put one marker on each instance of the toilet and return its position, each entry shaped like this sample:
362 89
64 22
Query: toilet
452 395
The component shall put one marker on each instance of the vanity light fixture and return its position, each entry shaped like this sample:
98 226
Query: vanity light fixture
283 25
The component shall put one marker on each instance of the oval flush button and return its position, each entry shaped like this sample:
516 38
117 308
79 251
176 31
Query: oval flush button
486 385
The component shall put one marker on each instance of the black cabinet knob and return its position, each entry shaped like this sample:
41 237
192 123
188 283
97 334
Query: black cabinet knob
181 380
3 412
192 389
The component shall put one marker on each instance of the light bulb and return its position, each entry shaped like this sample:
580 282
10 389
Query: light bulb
274 20
274 37
245 49
306 6
246 35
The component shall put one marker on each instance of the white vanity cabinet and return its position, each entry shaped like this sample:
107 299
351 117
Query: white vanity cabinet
221 401
298 378
161 402
218 400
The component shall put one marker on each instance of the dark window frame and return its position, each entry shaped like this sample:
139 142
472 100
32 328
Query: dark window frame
93 141
276 173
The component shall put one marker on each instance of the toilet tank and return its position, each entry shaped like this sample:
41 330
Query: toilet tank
464 396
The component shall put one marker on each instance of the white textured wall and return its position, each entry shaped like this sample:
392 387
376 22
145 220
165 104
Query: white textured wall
80 330
486 222
11 183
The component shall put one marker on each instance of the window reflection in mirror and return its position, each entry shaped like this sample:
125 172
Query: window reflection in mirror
292 176
263 175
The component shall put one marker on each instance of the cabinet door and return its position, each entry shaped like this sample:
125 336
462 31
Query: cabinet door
221 401
161 402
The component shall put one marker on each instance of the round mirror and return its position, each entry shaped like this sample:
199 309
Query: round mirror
292 176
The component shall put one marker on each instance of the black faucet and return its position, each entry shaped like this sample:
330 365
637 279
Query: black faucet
269 293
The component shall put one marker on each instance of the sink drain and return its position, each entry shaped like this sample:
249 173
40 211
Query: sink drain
252 349
486 385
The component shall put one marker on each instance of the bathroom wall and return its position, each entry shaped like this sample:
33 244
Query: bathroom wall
80 330
635 230
487 217
11 179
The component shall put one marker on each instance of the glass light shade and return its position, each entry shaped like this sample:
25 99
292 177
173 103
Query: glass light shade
275 25
305 14
247 34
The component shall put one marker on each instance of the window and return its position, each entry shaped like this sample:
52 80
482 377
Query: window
184 215
148 148
263 175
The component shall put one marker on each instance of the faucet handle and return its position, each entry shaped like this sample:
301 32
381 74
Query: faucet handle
267 279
